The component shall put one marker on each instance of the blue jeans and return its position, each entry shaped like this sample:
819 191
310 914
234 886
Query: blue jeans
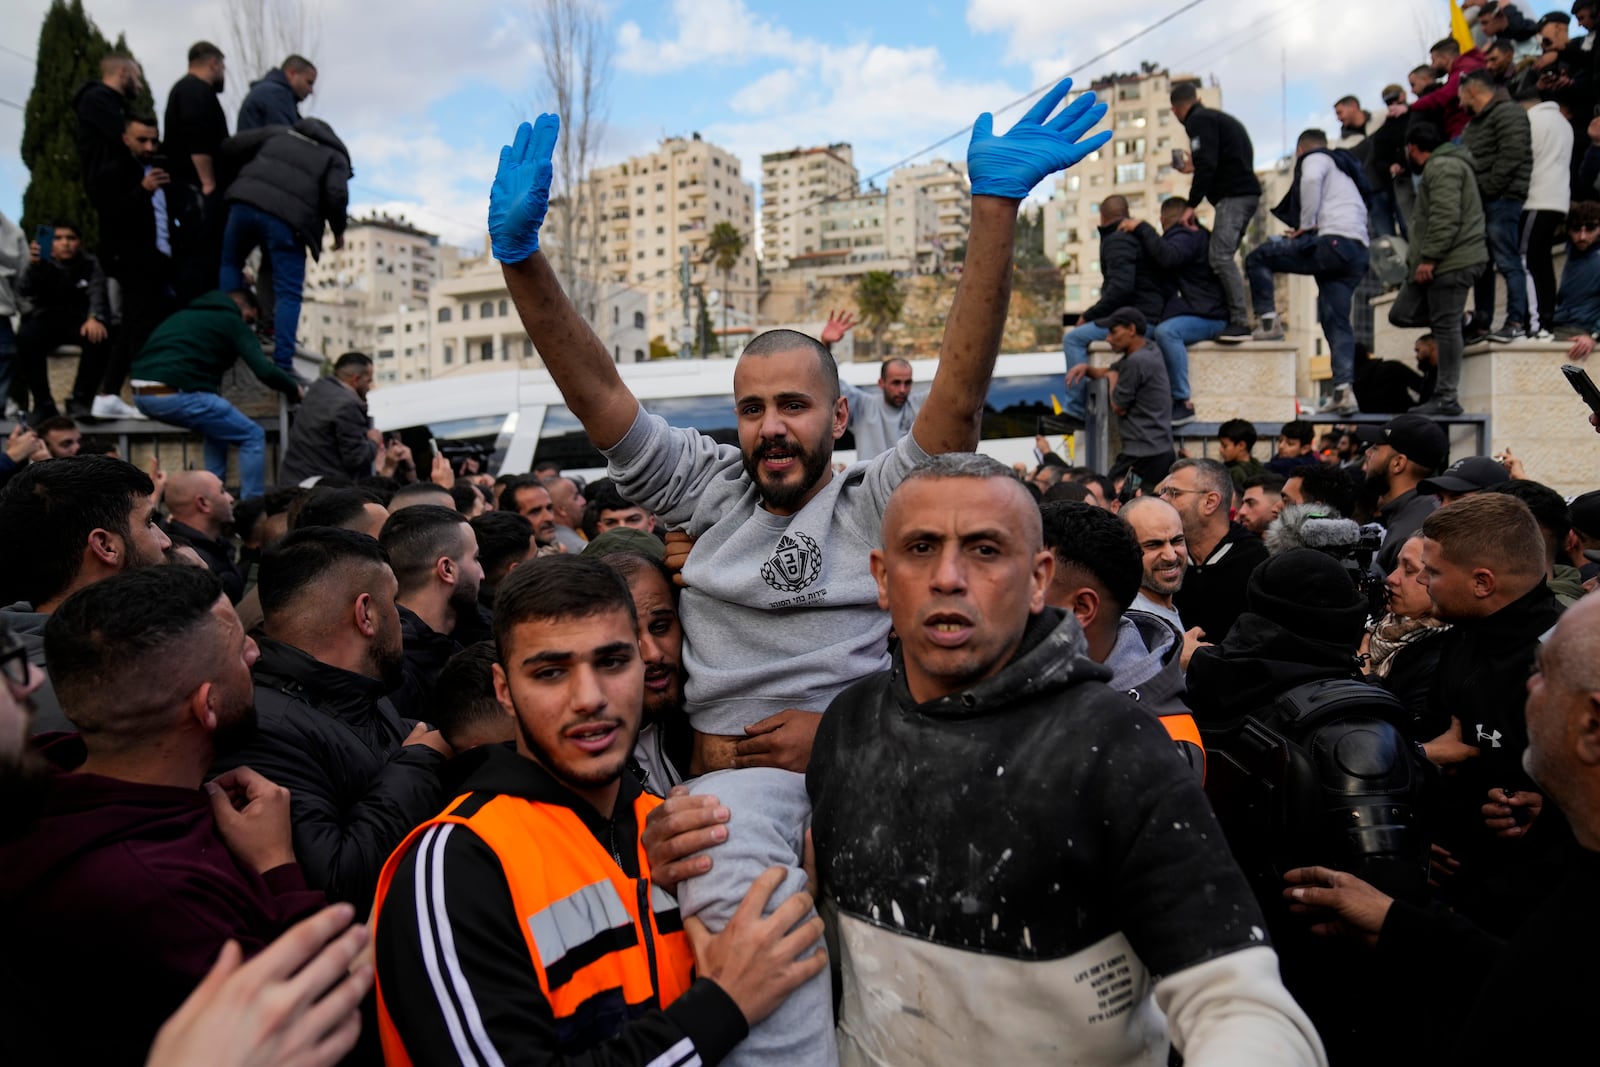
249 228
1502 225
222 425
1076 346
1338 264
1174 336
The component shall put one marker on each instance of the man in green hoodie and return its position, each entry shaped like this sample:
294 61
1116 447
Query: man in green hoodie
177 378
1448 252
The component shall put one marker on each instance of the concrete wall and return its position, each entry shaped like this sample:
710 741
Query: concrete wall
1255 381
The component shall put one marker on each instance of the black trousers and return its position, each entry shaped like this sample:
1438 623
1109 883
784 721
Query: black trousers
1540 231
41 334
146 301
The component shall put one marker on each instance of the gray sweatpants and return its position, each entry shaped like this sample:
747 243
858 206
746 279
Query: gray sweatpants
769 813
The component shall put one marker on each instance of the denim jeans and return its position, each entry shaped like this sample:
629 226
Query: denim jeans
222 425
1502 224
1228 225
1338 264
1174 336
1076 346
248 228
1438 307
1383 214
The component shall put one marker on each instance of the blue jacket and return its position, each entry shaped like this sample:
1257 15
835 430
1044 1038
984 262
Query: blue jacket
1578 302
1181 253
270 102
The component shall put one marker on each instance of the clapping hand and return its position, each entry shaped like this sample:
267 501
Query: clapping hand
1010 166
520 195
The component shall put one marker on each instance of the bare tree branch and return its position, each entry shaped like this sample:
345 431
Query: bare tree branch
261 35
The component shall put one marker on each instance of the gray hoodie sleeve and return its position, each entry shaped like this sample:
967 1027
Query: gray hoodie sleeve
670 471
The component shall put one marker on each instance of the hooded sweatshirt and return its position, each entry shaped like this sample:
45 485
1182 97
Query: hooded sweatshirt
270 102
28 625
119 895
1145 663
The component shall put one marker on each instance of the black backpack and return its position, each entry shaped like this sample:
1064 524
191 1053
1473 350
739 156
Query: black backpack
1324 776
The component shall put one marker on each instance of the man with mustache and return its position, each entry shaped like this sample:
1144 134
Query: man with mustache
779 612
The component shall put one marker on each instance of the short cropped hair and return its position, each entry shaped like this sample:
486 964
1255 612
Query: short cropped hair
122 651
1240 431
203 50
1445 46
507 500
1272 483
416 537
1493 530
1183 92
47 511
309 557
774 341
503 538
1347 99
1299 430
558 587
1313 137
1067 493
1212 474
1482 78
1096 544
463 695
1548 507
297 63
351 363
330 506
1424 136
1326 485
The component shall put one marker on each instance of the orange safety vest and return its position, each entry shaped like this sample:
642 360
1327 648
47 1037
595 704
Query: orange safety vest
590 929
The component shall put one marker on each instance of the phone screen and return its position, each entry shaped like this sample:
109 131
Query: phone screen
44 237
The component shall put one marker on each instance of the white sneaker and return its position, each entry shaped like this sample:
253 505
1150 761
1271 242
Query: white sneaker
108 406
1341 402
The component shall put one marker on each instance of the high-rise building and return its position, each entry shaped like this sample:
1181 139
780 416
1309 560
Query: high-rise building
893 229
385 262
790 180
947 186
1136 164
639 219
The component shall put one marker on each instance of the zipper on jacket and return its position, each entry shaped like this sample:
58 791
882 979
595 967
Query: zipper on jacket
647 920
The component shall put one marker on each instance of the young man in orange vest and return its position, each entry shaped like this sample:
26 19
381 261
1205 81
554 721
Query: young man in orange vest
522 925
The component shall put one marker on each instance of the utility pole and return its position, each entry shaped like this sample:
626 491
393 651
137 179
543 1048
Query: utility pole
684 352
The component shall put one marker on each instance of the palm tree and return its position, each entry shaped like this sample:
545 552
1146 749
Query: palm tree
723 248
880 300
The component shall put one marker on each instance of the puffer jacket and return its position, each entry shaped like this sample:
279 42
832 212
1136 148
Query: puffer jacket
1501 143
300 174
1447 225
355 789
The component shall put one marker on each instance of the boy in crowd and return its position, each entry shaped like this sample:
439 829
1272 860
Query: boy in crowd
1235 439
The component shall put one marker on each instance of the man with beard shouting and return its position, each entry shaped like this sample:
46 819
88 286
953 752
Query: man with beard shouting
780 612
359 776
124 859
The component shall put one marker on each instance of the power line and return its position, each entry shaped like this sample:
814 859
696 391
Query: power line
20 55
12 103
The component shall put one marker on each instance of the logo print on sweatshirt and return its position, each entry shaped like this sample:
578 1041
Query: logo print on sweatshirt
795 563
1492 738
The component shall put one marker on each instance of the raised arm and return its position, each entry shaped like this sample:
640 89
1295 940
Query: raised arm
575 357
1004 171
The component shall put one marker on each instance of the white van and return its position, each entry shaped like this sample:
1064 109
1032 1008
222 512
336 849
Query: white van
518 418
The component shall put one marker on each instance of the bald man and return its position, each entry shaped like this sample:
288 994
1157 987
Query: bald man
201 510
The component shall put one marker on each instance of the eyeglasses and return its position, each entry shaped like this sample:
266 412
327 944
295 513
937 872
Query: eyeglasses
13 659
1167 492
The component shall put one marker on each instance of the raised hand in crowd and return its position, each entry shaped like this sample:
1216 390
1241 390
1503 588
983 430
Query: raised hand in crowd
839 323
297 1004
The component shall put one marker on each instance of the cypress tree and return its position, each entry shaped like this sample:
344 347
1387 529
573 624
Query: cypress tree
69 53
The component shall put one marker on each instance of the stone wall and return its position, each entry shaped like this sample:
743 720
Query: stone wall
1255 380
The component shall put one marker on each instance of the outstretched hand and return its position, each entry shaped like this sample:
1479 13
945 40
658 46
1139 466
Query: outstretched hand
1036 147
520 196
839 324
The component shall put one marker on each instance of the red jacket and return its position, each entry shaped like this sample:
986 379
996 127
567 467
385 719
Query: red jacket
1443 105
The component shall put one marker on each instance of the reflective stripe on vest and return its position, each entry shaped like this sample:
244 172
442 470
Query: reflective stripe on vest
605 947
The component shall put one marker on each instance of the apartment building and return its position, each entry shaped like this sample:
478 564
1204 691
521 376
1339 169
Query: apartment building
636 218
1136 163
791 180
947 185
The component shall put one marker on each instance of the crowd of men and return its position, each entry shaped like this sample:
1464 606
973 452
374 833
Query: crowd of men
1281 762
1478 175
163 306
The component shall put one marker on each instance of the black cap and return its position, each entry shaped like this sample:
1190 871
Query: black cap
1554 16
1125 316
1585 513
1466 476
1416 437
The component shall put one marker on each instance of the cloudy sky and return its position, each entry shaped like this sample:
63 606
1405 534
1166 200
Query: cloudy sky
424 93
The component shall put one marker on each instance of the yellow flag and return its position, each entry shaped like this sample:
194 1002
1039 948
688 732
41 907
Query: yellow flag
1458 27
1055 404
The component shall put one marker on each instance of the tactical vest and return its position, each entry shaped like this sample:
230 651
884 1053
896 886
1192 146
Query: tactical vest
606 948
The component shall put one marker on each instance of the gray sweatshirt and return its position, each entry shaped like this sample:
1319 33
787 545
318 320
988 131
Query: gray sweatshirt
876 424
780 611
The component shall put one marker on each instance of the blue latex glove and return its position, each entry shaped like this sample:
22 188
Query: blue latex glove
1012 165
520 195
